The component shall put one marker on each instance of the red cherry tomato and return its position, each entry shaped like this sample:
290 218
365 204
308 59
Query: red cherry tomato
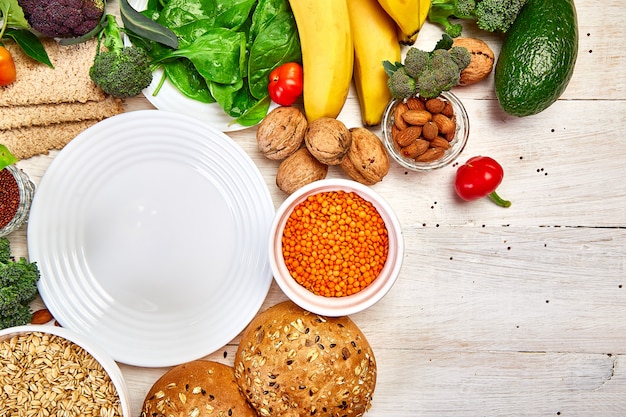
7 67
285 85
479 177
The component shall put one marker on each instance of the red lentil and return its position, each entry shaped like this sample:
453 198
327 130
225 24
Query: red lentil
9 197
335 243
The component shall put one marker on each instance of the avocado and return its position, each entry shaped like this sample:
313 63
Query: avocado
537 57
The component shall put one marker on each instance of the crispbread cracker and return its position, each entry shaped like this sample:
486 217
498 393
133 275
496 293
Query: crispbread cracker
46 114
27 142
67 82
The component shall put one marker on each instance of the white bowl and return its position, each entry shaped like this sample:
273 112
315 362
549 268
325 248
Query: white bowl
108 364
349 304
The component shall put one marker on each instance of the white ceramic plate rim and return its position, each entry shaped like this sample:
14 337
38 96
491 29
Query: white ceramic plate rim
77 296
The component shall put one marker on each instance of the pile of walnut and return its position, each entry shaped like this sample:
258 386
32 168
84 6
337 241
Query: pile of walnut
306 150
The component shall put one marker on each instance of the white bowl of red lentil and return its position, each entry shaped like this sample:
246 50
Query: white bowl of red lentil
55 371
336 247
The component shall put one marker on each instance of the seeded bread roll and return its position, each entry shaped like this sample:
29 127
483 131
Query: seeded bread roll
291 362
198 388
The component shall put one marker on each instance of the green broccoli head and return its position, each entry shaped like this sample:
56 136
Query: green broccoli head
461 56
18 287
442 11
63 18
122 73
490 15
402 85
415 61
20 316
497 15
5 250
120 70
441 75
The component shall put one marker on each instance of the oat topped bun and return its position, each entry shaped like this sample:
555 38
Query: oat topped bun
291 362
198 388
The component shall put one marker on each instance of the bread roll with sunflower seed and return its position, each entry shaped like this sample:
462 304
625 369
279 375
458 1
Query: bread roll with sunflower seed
198 388
291 362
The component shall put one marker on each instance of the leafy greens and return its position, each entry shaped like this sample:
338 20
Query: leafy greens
226 50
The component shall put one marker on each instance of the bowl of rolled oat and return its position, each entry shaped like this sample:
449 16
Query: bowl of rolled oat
51 371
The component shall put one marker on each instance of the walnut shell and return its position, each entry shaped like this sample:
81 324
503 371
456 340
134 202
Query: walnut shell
299 169
482 61
328 140
281 132
366 161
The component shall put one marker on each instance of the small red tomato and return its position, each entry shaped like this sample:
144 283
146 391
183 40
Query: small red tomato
7 67
479 177
285 85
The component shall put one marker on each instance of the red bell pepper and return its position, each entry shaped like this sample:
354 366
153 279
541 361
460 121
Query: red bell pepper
479 177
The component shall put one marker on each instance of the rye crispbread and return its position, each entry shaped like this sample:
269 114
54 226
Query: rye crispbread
67 82
12 117
45 108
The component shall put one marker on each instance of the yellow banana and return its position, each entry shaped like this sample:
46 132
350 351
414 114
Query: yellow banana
375 40
327 55
409 15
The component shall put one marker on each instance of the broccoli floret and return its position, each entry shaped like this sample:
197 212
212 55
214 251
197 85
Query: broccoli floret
402 85
415 61
431 72
490 15
497 15
63 18
461 56
18 287
5 250
120 70
441 11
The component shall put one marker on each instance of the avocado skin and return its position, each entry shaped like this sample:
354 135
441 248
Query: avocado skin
537 58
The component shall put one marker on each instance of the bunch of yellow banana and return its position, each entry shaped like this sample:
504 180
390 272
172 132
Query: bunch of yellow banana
342 38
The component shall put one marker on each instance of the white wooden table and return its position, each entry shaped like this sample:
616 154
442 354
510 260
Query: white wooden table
499 312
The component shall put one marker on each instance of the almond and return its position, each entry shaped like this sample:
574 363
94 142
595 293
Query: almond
415 149
415 103
444 123
448 110
41 316
406 136
430 155
440 142
430 131
398 120
435 105
417 117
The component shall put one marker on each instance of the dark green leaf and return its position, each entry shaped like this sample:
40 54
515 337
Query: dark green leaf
30 44
147 28
255 113
184 76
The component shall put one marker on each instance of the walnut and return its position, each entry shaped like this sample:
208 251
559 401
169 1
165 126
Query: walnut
281 132
482 61
328 140
366 161
298 170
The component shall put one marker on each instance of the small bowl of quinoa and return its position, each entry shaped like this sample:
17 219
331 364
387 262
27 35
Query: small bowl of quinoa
336 247
51 371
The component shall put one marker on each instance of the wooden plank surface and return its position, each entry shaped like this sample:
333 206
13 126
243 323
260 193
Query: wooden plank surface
499 312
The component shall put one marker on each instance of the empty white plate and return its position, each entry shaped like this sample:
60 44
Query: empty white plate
150 230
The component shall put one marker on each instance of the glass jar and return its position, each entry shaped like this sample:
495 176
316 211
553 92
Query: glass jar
18 212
